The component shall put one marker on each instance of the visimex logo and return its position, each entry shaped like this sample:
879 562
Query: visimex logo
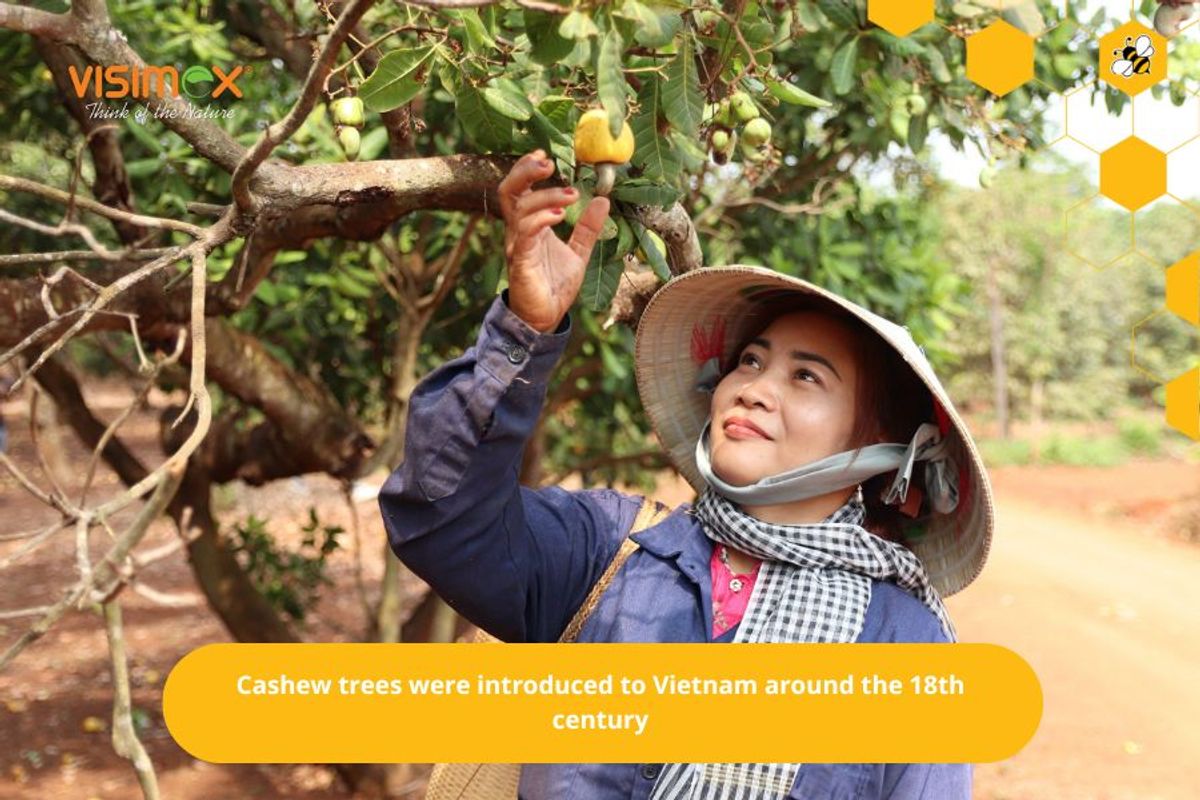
117 81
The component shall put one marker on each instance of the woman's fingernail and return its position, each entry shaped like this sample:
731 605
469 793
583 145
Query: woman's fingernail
570 190
543 163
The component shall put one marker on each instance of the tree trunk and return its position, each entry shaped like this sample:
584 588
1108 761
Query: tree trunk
404 379
999 367
1037 402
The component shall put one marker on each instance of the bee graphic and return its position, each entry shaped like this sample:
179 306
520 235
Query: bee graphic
1133 59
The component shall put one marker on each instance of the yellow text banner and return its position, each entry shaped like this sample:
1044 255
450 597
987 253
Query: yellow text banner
343 703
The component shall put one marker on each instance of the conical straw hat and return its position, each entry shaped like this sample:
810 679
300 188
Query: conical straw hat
728 304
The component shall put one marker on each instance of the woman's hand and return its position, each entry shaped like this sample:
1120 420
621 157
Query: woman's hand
544 273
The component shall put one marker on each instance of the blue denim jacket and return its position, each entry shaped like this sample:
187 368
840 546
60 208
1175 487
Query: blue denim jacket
519 562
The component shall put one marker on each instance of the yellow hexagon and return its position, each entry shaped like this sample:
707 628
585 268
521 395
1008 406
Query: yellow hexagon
1000 57
1183 403
900 17
1133 58
1133 173
1183 288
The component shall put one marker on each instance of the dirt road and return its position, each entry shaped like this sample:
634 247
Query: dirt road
1108 615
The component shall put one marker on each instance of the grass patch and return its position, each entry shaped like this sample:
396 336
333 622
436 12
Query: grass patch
1006 452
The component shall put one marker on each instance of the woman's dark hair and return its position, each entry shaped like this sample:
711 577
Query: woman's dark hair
890 402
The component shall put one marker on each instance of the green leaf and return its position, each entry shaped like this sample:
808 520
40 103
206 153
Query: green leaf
610 80
374 142
491 130
478 39
937 64
397 80
577 25
560 110
140 132
656 257
967 10
656 26
506 96
556 142
918 131
840 12
690 153
652 152
683 104
900 45
842 68
625 237
646 194
602 277
548 47
790 93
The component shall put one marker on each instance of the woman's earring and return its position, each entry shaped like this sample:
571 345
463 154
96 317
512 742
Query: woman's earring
858 494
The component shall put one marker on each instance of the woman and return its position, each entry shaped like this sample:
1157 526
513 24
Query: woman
798 417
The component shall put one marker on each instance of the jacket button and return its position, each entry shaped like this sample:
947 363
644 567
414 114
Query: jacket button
650 771
517 354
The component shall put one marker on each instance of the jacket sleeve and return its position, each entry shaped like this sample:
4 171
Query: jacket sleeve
928 782
514 561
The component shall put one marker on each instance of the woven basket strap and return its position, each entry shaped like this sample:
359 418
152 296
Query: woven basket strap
648 515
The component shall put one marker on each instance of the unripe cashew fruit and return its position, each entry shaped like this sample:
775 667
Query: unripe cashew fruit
349 139
348 111
743 106
706 20
916 104
721 155
987 176
720 140
724 113
595 145
757 132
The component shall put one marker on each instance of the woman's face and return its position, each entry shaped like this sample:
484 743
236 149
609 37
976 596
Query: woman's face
788 401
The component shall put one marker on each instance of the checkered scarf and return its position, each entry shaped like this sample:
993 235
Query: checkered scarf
813 586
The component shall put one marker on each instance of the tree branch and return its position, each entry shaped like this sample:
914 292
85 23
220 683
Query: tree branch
279 132
59 27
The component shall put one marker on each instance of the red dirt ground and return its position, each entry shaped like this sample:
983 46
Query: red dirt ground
63 679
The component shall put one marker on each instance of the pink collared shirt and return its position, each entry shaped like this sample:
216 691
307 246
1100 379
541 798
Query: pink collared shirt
729 606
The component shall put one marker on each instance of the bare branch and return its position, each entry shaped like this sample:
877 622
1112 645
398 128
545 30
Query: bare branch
90 11
533 5
58 495
168 599
87 204
40 538
29 485
129 254
59 27
167 483
24 612
82 231
279 132
124 736
111 430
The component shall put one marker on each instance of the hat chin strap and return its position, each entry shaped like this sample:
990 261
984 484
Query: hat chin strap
845 469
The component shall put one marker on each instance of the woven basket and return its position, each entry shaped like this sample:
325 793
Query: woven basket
454 781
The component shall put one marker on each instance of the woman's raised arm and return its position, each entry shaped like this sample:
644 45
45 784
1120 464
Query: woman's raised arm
514 561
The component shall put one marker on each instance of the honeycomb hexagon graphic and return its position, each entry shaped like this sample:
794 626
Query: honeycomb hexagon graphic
1183 403
1000 57
1183 288
900 17
1133 173
1133 58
